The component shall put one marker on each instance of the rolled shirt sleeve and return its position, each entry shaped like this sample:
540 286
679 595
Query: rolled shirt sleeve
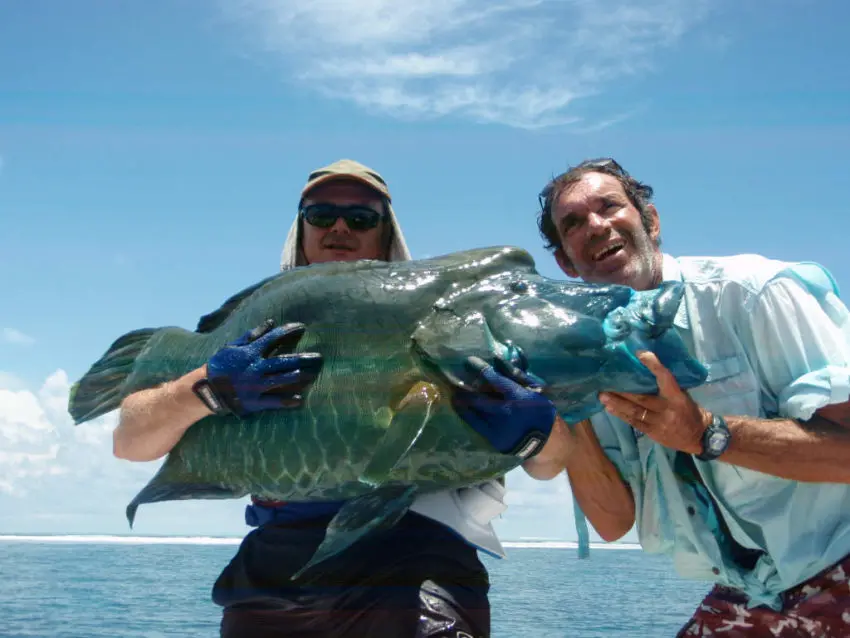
799 336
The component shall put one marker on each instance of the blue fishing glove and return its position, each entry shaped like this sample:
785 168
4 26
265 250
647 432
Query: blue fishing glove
506 409
253 373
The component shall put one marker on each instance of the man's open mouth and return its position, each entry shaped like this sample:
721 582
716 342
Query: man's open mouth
608 251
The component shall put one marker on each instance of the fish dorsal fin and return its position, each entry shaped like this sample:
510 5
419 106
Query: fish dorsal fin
213 320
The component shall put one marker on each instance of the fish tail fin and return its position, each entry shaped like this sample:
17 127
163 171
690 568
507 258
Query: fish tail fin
655 310
647 322
100 389
647 314
669 346
674 355
665 306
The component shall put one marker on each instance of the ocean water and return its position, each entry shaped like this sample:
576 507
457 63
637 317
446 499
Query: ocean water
121 588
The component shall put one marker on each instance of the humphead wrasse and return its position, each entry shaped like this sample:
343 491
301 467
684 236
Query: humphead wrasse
377 427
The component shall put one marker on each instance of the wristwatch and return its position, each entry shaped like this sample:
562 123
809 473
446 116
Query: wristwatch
715 439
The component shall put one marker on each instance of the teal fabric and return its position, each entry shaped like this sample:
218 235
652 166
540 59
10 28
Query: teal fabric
776 340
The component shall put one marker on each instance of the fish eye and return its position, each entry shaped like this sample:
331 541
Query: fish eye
520 287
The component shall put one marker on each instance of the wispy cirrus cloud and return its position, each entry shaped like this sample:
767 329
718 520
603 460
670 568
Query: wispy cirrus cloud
522 63
15 337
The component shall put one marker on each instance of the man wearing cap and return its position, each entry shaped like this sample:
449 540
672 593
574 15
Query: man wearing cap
422 578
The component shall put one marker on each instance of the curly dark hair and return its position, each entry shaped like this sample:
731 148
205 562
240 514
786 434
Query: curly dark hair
639 194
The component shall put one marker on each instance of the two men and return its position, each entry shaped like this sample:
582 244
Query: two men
744 481
423 577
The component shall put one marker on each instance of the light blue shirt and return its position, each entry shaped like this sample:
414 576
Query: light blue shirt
776 342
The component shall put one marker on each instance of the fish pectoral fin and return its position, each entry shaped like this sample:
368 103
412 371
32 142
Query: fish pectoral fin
380 509
412 415
444 341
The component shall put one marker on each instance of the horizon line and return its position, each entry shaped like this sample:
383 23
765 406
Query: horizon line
235 540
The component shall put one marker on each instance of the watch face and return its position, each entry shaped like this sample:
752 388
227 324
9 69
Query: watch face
717 441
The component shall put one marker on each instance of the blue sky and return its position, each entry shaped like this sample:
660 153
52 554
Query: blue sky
151 155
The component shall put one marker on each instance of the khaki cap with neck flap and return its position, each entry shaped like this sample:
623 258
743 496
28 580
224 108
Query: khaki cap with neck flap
347 169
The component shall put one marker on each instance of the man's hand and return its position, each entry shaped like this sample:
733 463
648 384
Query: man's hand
506 409
248 375
671 418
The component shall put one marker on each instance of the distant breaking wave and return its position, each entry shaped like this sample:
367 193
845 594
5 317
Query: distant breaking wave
126 540
232 540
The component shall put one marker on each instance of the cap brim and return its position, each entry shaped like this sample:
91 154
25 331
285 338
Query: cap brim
324 179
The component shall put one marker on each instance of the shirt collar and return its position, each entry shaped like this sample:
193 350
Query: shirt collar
671 271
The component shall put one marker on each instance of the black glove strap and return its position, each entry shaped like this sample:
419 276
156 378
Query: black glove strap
204 390
530 445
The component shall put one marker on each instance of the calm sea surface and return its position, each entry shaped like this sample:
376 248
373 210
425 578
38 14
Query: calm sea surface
118 590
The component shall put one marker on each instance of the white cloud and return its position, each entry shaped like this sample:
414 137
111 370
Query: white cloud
9 381
51 470
524 491
58 478
517 62
38 441
15 337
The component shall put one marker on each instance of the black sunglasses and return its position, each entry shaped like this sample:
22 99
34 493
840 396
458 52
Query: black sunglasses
606 163
357 217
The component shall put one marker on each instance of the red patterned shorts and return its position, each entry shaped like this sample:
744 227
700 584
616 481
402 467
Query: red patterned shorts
818 608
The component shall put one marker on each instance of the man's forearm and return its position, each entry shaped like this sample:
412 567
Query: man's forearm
598 487
596 484
817 450
550 461
153 421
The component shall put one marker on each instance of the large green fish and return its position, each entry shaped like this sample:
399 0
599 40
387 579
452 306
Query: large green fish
377 427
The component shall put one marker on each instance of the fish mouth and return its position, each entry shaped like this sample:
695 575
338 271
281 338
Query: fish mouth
608 251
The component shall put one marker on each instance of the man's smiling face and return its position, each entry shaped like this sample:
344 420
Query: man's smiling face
339 242
602 236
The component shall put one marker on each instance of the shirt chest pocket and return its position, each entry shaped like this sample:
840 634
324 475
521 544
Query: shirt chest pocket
731 387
